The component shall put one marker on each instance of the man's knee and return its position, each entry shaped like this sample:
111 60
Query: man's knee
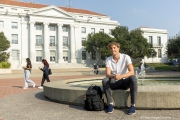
105 80
133 78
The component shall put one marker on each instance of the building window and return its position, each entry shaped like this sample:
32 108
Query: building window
52 40
38 40
159 41
15 55
1 24
13 9
150 39
26 10
65 29
90 17
38 55
52 28
83 41
83 30
92 30
1 7
38 27
101 30
81 16
93 55
52 55
99 18
65 41
83 55
14 38
14 25
159 53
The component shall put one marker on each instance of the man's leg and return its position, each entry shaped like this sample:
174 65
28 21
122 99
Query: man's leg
133 89
108 85
107 89
132 83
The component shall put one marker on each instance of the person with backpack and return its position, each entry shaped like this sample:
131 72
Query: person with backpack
119 75
27 72
96 69
45 70
142 67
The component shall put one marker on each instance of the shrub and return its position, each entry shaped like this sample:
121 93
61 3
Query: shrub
5 65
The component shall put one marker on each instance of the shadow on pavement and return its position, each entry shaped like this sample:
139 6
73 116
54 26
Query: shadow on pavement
18 86
77 107
41 96
82 109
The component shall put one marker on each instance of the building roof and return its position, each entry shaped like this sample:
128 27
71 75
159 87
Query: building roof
35 5
144 27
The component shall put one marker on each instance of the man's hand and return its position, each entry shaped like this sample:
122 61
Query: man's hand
118 77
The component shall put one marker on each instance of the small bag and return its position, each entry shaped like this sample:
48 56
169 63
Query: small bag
50 72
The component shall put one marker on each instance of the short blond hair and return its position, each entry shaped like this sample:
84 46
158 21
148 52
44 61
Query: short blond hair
113 43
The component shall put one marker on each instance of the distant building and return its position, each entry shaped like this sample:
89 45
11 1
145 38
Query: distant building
158 39
55 33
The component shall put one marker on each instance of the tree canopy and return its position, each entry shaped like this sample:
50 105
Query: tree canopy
173 47
98 42
133 43
4 45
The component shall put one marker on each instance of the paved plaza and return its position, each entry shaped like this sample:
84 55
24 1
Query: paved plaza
30 104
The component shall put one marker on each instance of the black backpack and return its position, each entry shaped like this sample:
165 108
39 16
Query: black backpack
93 99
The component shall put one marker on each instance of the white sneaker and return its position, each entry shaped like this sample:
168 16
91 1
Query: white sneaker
34 85
40 87
25 88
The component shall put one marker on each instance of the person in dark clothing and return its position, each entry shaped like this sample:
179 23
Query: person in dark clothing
45 70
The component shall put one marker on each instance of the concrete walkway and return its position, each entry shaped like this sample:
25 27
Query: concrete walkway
30 104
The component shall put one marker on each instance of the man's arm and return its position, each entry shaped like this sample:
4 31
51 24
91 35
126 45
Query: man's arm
108 73
130 73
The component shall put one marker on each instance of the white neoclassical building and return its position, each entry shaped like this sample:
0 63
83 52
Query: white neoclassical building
55 33
158 39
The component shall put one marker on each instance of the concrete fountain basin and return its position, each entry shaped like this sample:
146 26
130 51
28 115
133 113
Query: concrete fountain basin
148 97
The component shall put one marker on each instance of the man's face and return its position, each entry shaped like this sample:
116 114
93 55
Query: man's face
114 50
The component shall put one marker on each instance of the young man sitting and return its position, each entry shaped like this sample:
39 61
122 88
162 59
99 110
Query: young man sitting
119 75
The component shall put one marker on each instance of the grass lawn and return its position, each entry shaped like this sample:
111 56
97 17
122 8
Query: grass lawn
159 66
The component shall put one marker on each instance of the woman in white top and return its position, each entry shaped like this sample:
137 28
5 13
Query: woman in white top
27 72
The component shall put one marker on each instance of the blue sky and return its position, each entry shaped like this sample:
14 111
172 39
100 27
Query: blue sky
161 14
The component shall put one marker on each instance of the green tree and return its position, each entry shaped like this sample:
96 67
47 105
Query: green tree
133 43
173 48
98 42
4 45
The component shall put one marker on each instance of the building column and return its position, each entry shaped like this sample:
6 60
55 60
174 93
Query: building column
60 44
73 59
32 42
24 42
46 41
77 43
